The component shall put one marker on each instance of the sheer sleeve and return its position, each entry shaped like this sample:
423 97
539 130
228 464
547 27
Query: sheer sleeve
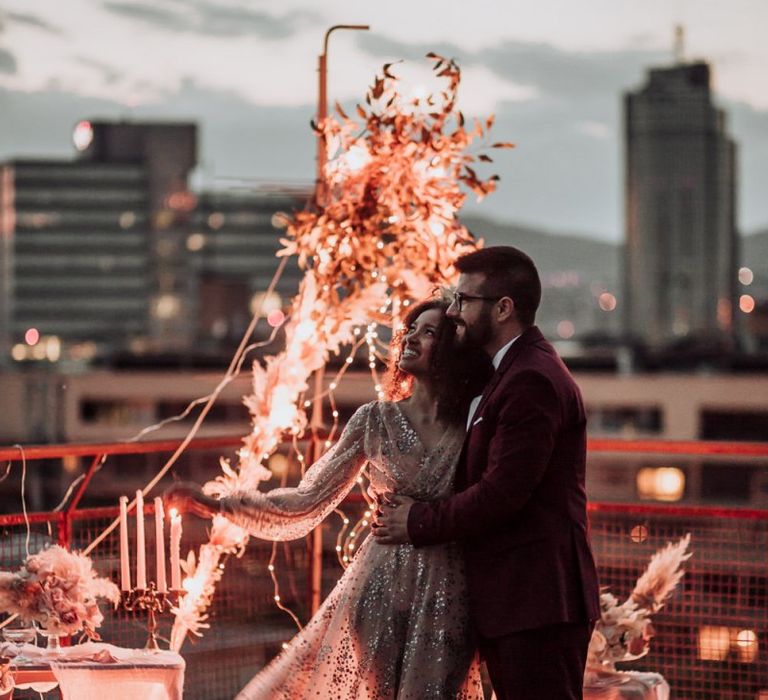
290 513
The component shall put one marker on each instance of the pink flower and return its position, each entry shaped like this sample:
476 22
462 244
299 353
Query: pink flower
56 588
68 616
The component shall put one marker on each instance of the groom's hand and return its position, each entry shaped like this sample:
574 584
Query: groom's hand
390 525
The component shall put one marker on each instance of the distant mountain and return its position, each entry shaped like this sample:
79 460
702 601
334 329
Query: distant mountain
598 260
552 253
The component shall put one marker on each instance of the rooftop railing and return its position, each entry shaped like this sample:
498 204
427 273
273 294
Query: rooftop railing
711 639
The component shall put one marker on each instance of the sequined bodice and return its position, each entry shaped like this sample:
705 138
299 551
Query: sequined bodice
399 462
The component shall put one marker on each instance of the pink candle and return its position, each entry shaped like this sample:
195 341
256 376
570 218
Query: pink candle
175 550
162 587
141 554
125 567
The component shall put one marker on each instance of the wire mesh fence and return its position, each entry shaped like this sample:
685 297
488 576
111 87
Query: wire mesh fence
711 639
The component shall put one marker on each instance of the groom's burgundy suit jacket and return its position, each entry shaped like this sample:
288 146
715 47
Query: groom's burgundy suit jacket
520 503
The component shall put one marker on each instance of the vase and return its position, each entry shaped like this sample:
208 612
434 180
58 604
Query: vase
53 640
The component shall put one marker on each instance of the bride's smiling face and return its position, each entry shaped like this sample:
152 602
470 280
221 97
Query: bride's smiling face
419 343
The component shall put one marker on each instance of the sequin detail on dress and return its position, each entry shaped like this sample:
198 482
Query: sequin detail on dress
396 626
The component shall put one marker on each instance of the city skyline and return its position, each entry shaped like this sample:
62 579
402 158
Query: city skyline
556 88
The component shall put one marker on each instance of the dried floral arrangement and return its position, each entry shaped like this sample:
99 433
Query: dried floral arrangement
383 232
624 630
58 590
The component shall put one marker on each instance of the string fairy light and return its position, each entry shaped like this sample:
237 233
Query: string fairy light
234 368
342 292
273 573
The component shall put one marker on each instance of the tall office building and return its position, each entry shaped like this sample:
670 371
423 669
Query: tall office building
111 252
232 260
82 237
681 238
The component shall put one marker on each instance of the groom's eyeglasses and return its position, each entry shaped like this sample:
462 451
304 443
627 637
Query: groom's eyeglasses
459 298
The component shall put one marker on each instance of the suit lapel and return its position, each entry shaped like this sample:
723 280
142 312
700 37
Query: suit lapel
528 337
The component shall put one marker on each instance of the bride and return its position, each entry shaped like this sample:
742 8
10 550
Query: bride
396 625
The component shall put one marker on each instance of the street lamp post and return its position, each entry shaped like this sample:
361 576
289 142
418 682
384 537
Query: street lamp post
322 106
316 558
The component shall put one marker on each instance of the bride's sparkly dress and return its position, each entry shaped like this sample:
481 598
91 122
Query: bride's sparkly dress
397 624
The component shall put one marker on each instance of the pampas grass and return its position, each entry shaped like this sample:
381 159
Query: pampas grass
624 630
662 575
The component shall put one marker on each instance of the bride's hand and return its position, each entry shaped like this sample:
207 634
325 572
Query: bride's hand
390 524
189 497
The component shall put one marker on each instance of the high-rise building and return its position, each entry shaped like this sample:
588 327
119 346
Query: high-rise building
232 260
681 239
81 236
111 251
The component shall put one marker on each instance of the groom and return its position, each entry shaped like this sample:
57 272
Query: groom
520 503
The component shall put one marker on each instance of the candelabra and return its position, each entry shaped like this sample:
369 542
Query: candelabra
155 603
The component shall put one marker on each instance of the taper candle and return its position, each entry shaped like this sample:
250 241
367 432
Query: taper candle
175 550
160 545
141 554
125 566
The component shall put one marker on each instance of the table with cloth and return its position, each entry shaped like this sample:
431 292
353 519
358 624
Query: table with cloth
95 671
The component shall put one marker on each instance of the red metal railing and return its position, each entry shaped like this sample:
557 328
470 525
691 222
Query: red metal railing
712 638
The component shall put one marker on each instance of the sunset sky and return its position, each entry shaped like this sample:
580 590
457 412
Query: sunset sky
552 71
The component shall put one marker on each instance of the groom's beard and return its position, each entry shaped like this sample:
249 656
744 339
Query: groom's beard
476 335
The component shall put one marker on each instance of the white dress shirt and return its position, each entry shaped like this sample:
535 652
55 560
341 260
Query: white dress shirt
497 358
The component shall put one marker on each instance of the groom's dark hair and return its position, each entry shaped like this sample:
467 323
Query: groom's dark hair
509 272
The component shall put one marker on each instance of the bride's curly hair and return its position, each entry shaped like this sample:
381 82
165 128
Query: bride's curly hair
457 374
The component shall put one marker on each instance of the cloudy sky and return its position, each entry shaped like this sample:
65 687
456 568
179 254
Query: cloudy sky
552 70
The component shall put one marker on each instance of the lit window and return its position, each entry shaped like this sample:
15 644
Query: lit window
71 464
195 242
167 306
717 642
745 645
216 220
661 483
53 348
127 219
714 643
